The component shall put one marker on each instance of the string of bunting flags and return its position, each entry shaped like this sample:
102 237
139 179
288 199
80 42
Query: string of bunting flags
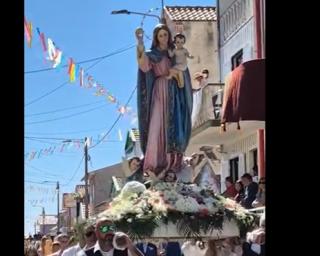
56 59
42 190
41 201
66 145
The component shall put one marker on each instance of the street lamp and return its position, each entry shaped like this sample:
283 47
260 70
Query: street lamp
57 190
161 20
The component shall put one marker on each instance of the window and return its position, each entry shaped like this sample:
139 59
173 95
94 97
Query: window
217 103
253 162
234 168
237 59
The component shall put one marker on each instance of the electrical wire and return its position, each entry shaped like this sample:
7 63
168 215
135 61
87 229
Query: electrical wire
66 184
73 132
46 138
115 122
40 170
63 84
64 109
46 94
82 62
75 172
65 117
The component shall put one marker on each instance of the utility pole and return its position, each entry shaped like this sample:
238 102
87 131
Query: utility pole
43 220
58 210
86 198
163 21
35 227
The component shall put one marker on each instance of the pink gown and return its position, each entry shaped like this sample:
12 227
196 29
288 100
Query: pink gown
156 156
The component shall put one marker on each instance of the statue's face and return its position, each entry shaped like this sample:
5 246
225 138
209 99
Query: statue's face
134 165
163 37
179 42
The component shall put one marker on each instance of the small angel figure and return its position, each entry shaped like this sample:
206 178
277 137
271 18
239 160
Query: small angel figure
181 55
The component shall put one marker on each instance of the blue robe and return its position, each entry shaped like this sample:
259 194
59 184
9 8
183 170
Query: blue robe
178 125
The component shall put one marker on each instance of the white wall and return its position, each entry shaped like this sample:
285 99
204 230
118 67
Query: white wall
233 17
238 148
243 39
202 43
236 32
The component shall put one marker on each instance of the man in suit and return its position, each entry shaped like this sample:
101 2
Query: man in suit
171 248
250 190
104 245
148 249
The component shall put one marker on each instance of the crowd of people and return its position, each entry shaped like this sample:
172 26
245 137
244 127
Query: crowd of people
245 191
165 114
101 238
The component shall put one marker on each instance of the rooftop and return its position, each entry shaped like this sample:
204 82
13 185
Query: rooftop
191 13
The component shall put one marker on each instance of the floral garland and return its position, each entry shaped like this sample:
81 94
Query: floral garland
139 211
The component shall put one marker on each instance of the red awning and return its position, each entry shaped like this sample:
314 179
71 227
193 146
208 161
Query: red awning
244 95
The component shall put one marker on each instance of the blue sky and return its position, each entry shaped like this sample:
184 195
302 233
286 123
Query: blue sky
82 30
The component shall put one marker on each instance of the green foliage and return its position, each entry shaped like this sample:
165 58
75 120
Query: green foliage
138 228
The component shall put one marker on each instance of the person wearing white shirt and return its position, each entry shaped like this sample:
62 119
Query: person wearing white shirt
72 251
87 240
105 247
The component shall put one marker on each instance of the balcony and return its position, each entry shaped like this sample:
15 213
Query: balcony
207 104
239 104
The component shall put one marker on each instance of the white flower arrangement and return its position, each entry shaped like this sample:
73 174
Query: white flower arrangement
135 199
132 187
162 186
187 204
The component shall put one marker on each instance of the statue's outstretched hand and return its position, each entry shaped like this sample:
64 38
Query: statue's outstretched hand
139 35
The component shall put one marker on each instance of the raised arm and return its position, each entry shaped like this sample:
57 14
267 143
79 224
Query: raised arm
143 60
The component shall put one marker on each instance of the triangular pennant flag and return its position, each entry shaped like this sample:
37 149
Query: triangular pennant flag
81 76
28 31
42 40
111 98
122 109
32 155
39 154
70 66
100 92
120 135
62 147
89 81
57 58
51 50
62 63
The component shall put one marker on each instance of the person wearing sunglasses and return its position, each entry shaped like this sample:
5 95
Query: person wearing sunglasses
105 232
